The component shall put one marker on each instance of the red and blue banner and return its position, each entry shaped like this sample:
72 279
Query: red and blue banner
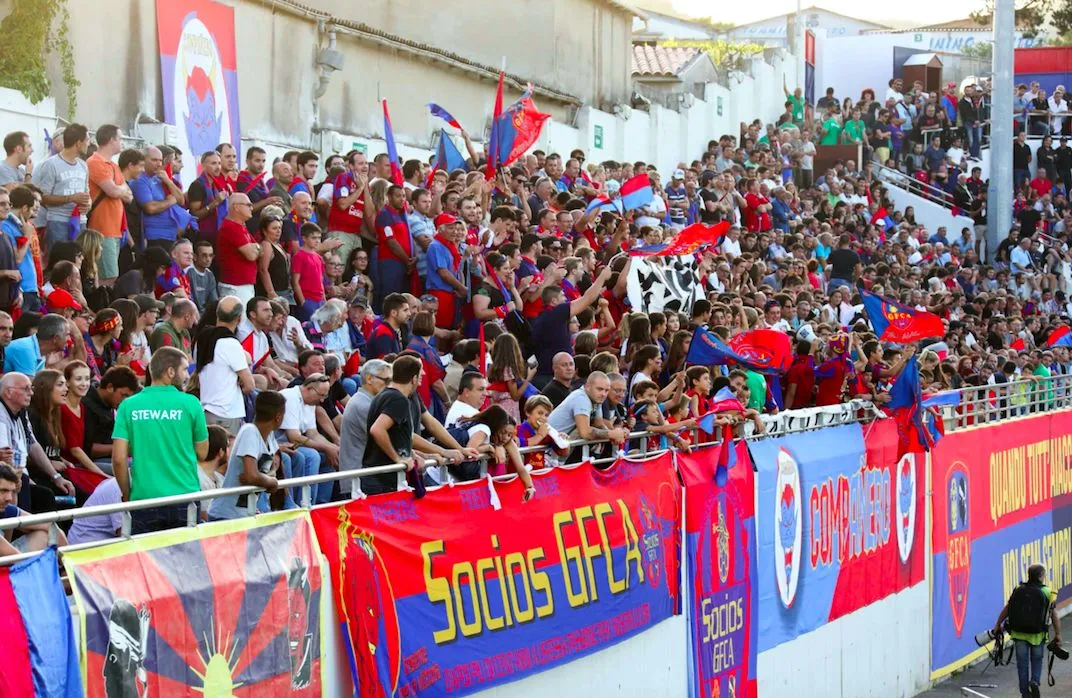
720 545
231 608
636 192
894 322
517 129
392 149
469 587
764 350
689 241
40 653
1001 501
198 74
840 525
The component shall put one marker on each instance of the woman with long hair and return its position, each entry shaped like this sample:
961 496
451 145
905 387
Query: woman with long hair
26 325
273 266
679 350
506 387
646 365
102 344
49 392
492 432
92 244
73 417
358 269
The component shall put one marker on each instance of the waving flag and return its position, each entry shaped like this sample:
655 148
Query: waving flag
40 656
1061 337
392 151
444 115
724 401
917 427
493 137
764 350
707 349
447 158
1018 344
518 128
636 192
695 237
604 202
898 323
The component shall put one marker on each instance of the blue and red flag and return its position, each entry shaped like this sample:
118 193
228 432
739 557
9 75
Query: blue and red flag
898 323
493 137
517 129
724 401
392 151
444 115
636 192
1061 337
764 350
447 158
40 656
690 240
918 430
604 202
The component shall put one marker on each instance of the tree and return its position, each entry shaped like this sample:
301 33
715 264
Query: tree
730 55
1033 15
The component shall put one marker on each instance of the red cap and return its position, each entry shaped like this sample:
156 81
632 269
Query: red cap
444 219
60 299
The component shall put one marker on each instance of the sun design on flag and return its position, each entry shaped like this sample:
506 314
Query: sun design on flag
218 677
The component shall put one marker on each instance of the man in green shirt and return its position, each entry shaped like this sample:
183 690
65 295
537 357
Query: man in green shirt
796 97
855 130
164 430
175 331
831 130
1030 646
757 390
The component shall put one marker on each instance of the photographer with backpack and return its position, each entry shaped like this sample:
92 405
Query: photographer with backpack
1025 616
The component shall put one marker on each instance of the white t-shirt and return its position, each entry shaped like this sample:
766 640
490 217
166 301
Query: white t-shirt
220 392
140 345
457 412
326 192
657 209
253 341
298 416
731 248
286 350
807 162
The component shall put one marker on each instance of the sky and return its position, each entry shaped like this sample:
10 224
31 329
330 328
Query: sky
904 12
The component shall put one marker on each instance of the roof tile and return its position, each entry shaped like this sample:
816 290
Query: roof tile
661 61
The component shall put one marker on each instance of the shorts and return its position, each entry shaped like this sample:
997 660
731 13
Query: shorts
244 293
231 424
108 267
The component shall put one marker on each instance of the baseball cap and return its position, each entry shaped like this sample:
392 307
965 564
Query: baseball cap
678 174
445 219
146 303
61 299
613 186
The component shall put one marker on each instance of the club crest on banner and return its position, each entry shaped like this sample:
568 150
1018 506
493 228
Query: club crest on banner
958 541
652 541
896 317
906 505
721 534
787 527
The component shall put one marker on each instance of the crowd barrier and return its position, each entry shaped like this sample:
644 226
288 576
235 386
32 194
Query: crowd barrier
799 563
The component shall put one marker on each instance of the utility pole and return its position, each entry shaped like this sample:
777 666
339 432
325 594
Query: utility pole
999 193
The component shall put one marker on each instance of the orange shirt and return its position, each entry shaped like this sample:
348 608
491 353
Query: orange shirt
108 214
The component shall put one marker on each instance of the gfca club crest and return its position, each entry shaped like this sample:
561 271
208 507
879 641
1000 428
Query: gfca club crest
721 534
905 525
787 527
958 541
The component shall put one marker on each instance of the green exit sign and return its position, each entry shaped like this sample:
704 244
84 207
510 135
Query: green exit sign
360 147
597 138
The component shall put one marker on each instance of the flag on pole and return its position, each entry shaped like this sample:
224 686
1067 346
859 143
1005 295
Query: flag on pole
447 158
636 192
918 429
493 137
898 323
444 115
1061 337
691 239
392 151
518 128
604 202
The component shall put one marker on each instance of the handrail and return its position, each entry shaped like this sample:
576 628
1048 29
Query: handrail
936 194
986 404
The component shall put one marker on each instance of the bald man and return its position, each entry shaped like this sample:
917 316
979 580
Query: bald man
561 383
282 176
302 211
161 201
225 374
237 251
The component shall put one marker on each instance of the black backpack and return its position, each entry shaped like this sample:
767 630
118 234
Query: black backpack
1029 607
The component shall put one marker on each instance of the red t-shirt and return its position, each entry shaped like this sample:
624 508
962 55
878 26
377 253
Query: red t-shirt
756 222
349 220
311 267
235 270
1040 186
829 392
802 374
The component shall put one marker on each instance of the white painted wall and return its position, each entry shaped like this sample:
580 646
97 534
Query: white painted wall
18 114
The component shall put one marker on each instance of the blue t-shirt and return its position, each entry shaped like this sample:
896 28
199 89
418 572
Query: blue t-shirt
12 227
438 257
155 226
552 328
24 356
676 195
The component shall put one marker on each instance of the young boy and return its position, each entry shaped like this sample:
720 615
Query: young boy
254 457
202 280
307 273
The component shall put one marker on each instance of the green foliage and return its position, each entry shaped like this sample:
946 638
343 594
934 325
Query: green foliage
730 55
27 36
1032 15
980 49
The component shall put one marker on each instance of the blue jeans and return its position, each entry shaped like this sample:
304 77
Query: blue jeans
308 461
393 279
159 518
1018 177
975 139
1026 652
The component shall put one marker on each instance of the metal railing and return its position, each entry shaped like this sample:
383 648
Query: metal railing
774 425
986 404
912 185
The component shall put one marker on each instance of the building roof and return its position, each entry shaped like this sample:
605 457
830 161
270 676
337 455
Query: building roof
662 61
966 24
806 10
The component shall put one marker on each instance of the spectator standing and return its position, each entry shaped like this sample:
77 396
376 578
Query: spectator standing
561 384
238 251
165 431
576 414
391 425
394 246
110 193
203 288
64 183
161 202
223 368
350 204
208 193
18 228
387 334
273 264
844 264
17 166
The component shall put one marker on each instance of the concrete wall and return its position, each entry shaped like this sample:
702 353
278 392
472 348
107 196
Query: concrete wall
928 214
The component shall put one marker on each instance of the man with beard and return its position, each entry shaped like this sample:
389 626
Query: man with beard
166 428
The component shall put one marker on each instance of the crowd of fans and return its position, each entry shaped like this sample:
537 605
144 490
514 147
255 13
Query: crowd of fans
160 340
